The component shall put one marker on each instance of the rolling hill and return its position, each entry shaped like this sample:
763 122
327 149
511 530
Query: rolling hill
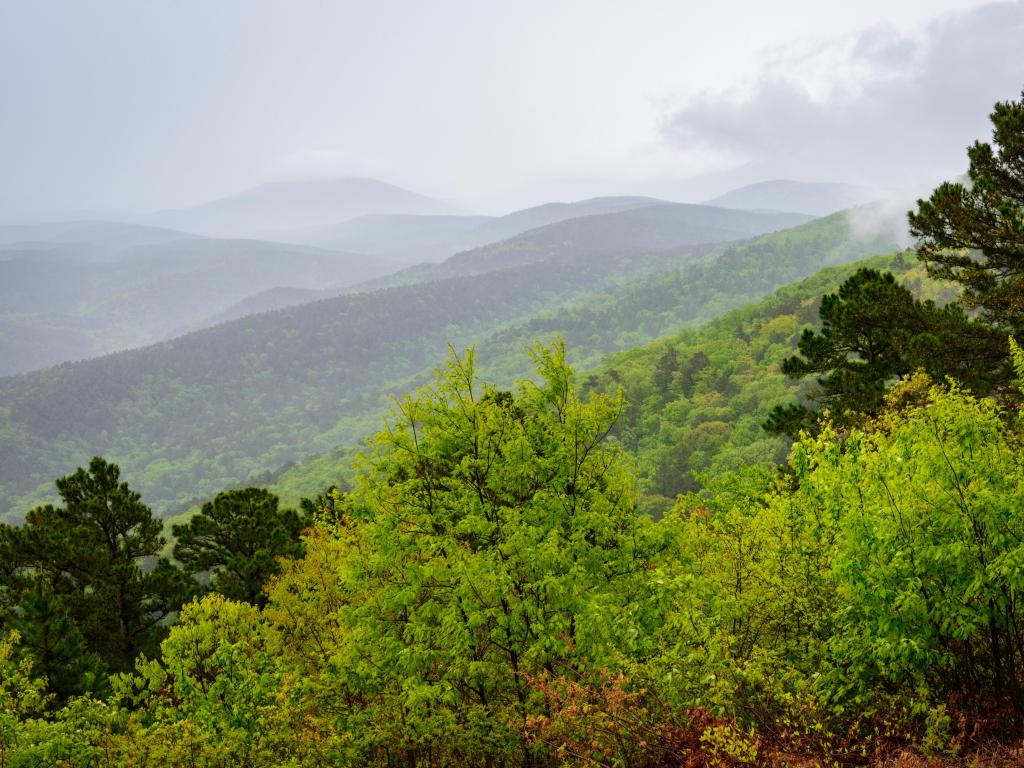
188 417
434 238
813 198
71 301
632 230
281 210
645 229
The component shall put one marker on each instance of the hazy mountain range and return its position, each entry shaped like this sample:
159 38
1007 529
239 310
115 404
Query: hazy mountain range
78 299
603 225
210 409
813 198
283 210
79 289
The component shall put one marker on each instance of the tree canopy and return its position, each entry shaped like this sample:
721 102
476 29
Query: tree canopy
973 233
98 554
237 538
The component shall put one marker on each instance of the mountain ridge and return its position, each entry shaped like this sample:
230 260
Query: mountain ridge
813 198
279 209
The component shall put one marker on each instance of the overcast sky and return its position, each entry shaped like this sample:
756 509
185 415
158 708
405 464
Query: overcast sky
133 106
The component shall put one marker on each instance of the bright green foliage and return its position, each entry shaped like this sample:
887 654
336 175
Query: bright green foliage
216 697
1017 357
238 538
882 577
499 541
696 402
78 736
932 561
753 597
21 693
88 554
488 595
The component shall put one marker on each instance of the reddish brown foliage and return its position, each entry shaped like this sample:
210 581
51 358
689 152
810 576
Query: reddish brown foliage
606 723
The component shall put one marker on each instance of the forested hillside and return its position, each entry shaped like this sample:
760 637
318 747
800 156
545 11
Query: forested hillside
600 226
430 238
631 567
208 410
94 287
696 401
636 229
624 316
205 410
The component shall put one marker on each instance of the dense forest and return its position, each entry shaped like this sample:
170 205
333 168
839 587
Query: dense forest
209 410
791 536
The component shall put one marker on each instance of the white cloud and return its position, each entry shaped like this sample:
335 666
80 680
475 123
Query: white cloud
880 109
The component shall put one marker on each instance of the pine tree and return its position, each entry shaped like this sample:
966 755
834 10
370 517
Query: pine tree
873 331
89 553
973 233
56 648
238 538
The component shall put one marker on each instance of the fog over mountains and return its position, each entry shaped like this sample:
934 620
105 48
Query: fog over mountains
534 384
77 289
814 198
284 210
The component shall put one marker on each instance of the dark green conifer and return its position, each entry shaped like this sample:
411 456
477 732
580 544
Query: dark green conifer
98 554
973 233
237 538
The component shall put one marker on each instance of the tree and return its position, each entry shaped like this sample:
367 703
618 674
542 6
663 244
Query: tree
89 554
493 538
238 538
973 233
929 565
56 648
873 331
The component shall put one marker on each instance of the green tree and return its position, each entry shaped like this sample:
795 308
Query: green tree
90 554
973 234
494 538
56 648
873 331
929 566
238 538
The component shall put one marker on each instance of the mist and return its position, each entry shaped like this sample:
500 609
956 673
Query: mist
116 110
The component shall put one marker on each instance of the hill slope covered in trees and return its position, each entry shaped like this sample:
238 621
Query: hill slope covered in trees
79 299
206 411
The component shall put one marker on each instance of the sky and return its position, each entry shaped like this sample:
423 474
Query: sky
125 107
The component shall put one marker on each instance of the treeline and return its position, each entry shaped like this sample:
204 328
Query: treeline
88 590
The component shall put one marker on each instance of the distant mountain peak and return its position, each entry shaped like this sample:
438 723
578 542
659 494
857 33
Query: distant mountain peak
277 209
815 198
